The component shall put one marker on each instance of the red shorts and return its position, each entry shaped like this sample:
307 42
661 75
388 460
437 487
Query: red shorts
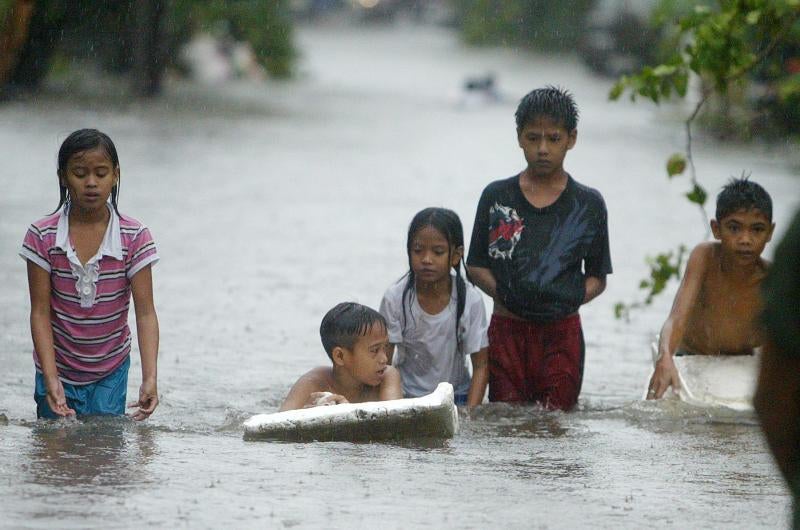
539 362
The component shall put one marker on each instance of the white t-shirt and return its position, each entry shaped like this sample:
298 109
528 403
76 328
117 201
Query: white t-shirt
426 351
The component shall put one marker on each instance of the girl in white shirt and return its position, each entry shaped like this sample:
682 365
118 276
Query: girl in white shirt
435 318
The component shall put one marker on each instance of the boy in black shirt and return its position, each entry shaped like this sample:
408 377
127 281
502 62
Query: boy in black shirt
540 249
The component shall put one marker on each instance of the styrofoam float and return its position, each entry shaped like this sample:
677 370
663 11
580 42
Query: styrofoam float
715 380
431 416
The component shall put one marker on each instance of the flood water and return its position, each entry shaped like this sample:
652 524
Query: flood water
269 205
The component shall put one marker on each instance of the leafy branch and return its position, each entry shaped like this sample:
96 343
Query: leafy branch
722 47
663 268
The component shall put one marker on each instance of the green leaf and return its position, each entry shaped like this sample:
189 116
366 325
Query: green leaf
617 90
753 16
663 70
676 164
698 195
681 84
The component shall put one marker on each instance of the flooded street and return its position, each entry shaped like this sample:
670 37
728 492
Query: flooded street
271 203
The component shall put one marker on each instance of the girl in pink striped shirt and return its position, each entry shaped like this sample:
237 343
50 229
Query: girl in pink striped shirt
84 262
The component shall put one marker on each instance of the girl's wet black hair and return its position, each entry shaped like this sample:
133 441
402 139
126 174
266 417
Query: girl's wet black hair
344 323
743 194
78 142
449 225
554 102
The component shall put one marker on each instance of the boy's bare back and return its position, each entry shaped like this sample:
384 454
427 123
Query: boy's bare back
723 318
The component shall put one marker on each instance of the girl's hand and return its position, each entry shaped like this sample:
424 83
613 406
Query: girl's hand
148 401
56 399
321 399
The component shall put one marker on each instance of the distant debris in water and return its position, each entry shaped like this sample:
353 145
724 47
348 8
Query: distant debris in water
477 91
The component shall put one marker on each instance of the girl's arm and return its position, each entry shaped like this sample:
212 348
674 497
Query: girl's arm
392 386
147 330
480 377
665 374
42 334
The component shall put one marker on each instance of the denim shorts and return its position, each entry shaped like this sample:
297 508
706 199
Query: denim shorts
104 397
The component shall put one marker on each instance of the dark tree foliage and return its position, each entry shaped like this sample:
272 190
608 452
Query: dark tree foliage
140 38
728 45
543 24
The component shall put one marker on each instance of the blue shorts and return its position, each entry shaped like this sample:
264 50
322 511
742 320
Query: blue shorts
106 396
460 399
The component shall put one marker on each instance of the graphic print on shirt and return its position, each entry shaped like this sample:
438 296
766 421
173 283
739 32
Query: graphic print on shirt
505 231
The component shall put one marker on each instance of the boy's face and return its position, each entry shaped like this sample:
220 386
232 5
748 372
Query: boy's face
743 234
366 361
545 144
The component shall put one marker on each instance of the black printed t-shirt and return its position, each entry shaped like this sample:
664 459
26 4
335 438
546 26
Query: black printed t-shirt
540 257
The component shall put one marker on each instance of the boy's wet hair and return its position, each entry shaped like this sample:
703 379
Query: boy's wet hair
447 223
78 142
743 194
345 323
554 102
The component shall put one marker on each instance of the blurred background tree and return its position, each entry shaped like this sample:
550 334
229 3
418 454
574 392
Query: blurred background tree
742 55
618 37
746 56
540 24
137 38
265 25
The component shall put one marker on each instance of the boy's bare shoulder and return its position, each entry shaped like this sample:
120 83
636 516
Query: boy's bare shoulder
705 250
320 376
701 256
317 379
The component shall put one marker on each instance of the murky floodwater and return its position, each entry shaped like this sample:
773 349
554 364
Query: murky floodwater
271 204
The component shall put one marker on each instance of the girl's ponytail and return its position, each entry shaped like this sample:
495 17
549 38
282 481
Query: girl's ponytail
461 301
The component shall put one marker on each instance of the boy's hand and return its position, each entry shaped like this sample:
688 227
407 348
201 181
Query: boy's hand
148 401
664 376
56 399
321 399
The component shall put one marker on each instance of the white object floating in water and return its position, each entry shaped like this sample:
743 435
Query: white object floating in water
431 416
716 380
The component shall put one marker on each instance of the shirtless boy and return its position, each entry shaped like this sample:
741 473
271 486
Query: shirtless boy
355 338
716 308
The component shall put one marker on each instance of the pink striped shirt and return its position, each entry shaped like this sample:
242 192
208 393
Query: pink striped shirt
89 304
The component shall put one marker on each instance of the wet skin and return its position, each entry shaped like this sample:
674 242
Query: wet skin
432 257
716 308
89 178
358 374
544 143
723 320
